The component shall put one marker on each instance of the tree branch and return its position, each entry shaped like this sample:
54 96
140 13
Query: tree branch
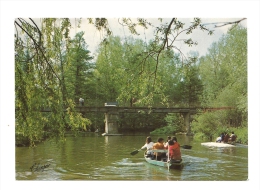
229 23
38 47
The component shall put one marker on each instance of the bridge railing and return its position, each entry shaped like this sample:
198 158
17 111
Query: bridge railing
140 109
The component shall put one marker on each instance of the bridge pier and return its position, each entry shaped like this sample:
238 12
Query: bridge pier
187 123
111 126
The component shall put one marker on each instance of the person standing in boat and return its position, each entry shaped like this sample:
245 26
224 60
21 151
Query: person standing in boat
159 146
175 150
148 145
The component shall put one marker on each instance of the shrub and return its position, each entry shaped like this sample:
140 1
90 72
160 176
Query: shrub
174 123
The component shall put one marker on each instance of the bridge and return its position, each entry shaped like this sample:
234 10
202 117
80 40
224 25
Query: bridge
112 113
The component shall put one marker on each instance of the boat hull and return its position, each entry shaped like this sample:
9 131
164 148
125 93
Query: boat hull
172 164
215 144
108 134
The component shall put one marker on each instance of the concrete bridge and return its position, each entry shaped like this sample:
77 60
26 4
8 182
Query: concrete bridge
112 113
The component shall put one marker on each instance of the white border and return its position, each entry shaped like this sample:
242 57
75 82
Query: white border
185 9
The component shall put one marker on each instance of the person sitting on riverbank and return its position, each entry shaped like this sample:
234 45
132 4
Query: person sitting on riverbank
159 146
149 146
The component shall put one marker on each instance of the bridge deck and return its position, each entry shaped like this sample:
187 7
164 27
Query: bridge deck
106 109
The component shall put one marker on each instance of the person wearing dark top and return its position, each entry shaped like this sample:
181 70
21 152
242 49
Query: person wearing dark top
226 137
222 137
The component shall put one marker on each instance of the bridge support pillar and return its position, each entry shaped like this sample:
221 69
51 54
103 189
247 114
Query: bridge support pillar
187 123
111 126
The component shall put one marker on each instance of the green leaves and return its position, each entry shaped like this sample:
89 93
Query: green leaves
42 59
223 73
190 42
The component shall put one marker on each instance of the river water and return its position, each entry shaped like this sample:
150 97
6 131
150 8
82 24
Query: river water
91 156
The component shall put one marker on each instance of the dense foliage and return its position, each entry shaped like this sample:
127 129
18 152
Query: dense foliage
54 70
223 74
43 60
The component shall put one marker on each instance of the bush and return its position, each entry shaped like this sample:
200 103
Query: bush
206 125
209 126
163 130
174 123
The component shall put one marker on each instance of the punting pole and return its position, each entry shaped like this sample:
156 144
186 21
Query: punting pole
168 161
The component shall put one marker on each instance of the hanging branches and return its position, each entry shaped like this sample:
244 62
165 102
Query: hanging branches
165 37
30 31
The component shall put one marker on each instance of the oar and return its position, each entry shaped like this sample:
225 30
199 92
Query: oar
168 161
135 152
186 146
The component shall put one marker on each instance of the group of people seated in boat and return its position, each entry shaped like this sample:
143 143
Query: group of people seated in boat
225 138
171 145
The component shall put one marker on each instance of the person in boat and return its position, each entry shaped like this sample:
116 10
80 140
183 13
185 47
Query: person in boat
220 138
232 137
149 146
159 146
168 139
174 149
169 147
226 137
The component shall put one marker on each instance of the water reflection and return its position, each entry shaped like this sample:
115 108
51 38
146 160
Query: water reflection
94 157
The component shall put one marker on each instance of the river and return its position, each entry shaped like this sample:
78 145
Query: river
91 156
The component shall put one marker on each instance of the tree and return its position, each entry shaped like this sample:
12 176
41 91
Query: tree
40 82
79 68
49 66
224 76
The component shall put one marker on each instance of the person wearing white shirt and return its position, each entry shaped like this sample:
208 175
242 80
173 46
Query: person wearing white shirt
148 145
81 101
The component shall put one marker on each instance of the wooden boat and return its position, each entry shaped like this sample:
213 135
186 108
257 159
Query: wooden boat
172 164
